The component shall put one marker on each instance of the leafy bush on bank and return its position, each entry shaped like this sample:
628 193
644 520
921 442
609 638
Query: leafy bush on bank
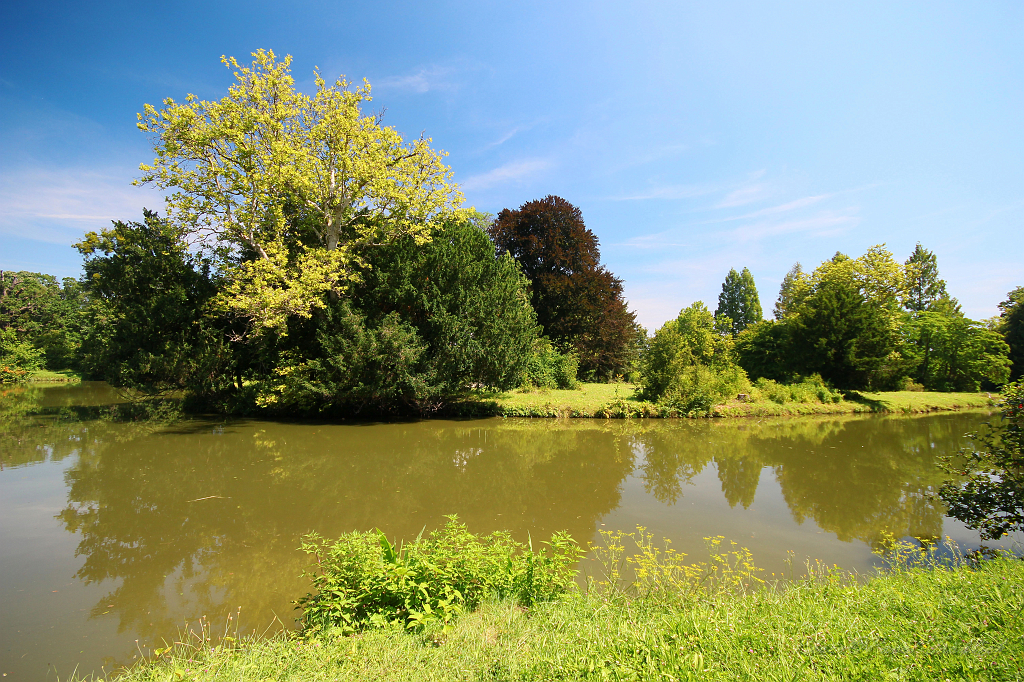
550 368
810 390
18 358
363 580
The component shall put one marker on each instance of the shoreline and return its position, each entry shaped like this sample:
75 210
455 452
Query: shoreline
592 401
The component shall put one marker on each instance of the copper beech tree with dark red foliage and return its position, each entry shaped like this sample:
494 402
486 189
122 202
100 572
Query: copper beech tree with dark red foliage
578 301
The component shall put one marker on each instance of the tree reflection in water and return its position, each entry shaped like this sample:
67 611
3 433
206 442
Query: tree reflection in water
199 517
858 478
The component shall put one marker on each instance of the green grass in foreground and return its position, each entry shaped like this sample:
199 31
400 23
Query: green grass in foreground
913 624
616 400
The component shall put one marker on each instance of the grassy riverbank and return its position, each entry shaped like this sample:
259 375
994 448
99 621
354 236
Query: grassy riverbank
616 400
913 624
46 376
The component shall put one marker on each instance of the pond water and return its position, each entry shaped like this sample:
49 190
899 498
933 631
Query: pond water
114 535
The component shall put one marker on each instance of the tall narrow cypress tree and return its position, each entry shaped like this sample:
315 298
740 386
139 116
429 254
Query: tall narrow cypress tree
924 285
739 301
789 292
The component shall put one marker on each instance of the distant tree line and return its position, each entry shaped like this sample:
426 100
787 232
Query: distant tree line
867 323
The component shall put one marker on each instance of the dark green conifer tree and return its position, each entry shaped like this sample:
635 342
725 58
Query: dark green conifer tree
923 284
739 301
789 292
1012 326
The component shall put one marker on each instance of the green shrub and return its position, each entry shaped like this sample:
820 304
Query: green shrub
687 367
362 579
18 358
549 368
698 388
809 390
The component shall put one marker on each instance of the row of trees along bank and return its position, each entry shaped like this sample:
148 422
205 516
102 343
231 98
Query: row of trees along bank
853 324
311 261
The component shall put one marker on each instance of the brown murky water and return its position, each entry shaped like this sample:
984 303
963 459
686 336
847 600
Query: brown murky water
117 532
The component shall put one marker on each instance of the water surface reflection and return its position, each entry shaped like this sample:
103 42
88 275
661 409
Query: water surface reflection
169 523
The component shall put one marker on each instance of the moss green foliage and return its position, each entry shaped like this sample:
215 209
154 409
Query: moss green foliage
761 349
953 353
150 315
924 286
18 359
991 496
739 301
687 366
45 316
549 368
872 324
1011 325
790 292
810 390
425 322
362 580
578 301
846 327
918 621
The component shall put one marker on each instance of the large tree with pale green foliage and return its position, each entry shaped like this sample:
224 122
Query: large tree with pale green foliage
739 301
284 190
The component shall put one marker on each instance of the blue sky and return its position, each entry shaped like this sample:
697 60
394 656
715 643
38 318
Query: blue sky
694 137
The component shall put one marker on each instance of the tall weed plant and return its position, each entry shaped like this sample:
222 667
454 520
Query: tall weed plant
634 567
364 580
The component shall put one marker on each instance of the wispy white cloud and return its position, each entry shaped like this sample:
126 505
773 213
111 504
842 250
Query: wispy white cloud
787 207
509 172
751 190
647 156
824 224
59 206
431 78
669 192
504 138
744 195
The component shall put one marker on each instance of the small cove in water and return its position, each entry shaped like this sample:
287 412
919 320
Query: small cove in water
117 532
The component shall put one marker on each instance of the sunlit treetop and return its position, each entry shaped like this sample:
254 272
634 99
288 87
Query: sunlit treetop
285 188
